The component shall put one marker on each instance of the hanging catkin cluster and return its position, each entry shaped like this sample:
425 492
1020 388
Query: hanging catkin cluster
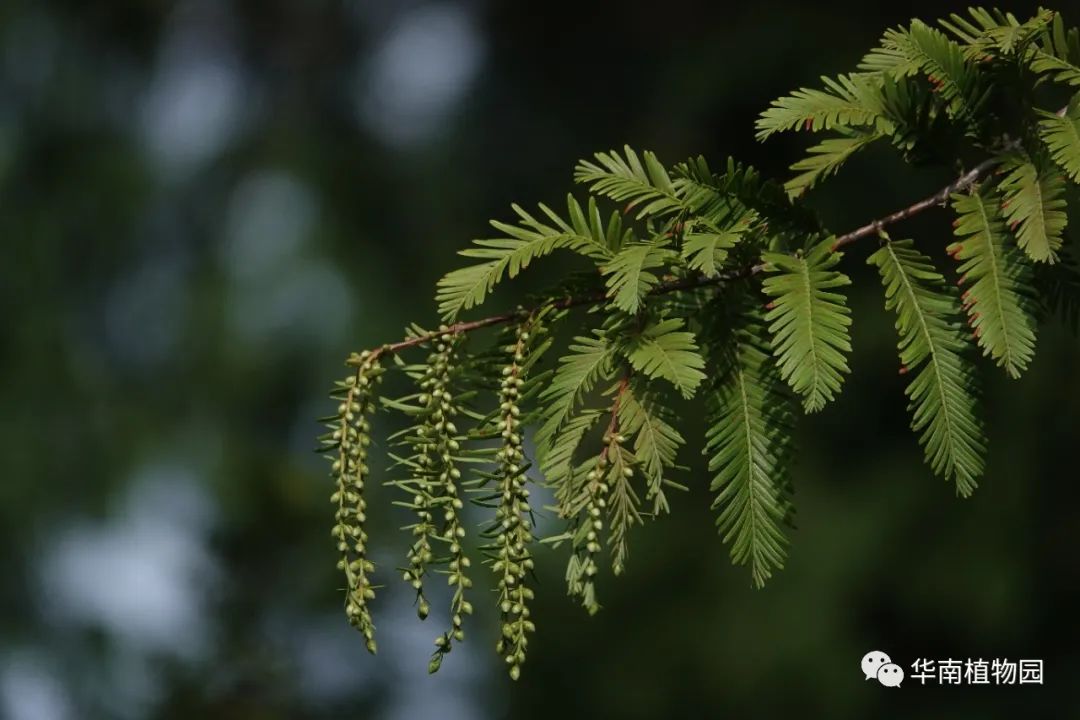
719 287
512 561
590 503
433 486
347 448
586 536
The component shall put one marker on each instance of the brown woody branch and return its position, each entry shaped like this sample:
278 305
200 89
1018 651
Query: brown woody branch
939 198
962 183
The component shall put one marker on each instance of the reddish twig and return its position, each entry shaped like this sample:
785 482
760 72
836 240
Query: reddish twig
613 424
939 198
962 183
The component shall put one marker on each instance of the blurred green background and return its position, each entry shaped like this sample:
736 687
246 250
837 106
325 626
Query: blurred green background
205 206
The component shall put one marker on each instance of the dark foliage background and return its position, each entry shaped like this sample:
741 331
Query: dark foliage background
204 206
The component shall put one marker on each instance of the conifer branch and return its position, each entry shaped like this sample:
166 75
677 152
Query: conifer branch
694 233
939 198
